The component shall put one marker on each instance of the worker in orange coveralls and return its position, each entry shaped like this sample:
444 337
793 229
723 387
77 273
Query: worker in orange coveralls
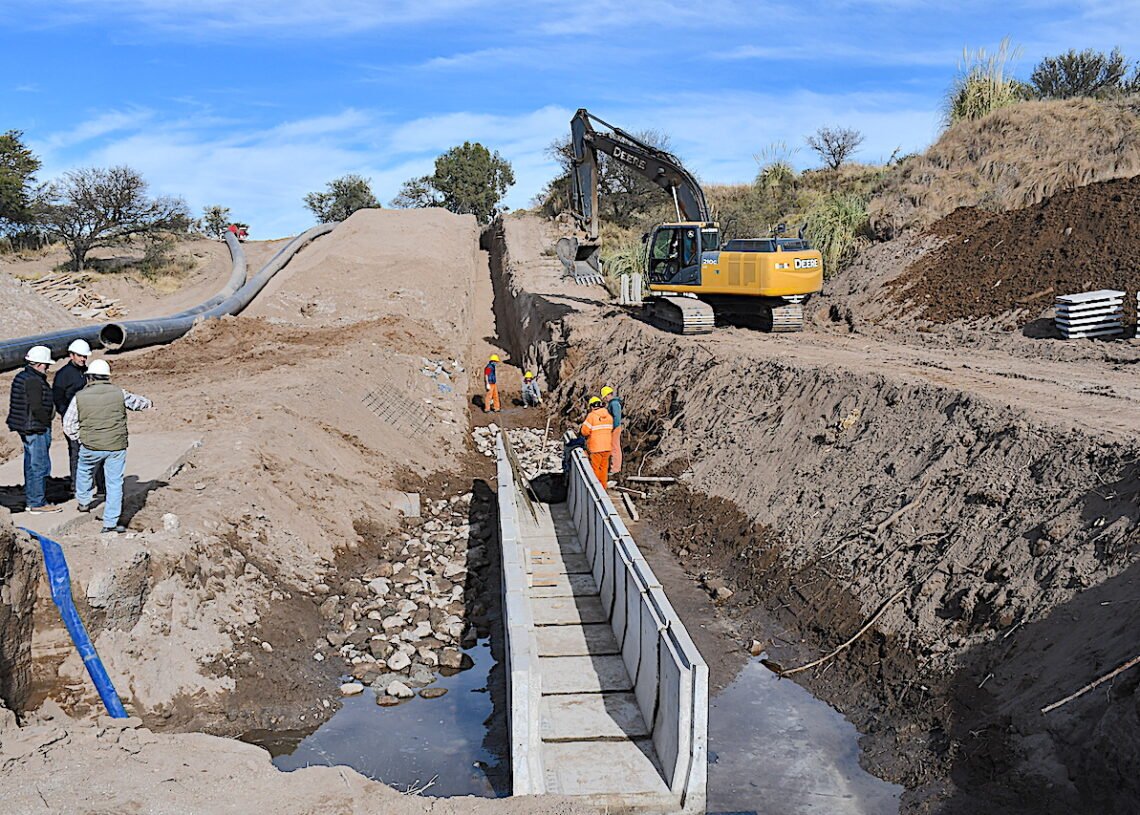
491 383
598 431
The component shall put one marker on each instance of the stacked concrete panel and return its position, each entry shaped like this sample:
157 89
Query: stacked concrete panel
1090 314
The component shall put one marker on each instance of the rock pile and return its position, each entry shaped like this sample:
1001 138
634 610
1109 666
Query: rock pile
527 442
415 610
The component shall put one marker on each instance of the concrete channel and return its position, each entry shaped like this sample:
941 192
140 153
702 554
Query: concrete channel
608 695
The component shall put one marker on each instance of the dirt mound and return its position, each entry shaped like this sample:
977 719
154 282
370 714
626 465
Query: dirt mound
1011 159
991 264
25 311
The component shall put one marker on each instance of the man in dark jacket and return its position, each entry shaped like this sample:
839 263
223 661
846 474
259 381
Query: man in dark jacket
30 414
69 380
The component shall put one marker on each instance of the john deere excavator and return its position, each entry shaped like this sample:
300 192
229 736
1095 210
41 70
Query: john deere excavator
695 282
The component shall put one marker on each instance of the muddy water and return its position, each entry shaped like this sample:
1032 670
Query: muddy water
446 744
777 750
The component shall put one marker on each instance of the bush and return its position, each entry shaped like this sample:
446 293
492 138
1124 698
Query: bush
983 84
1080 73
838 227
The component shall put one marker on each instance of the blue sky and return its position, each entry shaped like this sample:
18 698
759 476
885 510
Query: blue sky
253 104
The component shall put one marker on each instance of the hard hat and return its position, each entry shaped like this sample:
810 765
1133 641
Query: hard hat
39 353
79 347
494 357
607 390
528 375
595 400
99 368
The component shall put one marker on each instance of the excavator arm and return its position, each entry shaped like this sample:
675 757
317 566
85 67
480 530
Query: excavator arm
660 167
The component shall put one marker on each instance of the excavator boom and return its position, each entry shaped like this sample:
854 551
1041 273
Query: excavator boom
662 168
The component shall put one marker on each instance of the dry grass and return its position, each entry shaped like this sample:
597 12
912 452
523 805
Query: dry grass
1011 159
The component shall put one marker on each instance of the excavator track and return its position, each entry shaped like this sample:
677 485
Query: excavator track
681 315
786 318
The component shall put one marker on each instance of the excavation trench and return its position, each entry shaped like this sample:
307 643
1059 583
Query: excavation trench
984 560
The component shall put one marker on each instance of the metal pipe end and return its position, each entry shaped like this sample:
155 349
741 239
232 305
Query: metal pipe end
113 336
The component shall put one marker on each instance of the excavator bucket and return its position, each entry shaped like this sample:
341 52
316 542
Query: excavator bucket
580 259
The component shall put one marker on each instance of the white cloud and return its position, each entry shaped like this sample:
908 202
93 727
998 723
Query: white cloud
101 125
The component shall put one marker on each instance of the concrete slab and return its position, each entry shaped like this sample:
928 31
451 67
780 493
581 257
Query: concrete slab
576 640
152 459
567 610
589 674
545 584
593 767
558 563
592 716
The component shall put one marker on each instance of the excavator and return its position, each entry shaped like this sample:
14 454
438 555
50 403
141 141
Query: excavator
695 283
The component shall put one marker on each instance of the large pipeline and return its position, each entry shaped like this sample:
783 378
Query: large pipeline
12 351
137 333
59 579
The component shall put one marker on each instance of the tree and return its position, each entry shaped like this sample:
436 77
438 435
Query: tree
417 193
102 207
345 195
835 144
215 219
468 180
18 168
1080 73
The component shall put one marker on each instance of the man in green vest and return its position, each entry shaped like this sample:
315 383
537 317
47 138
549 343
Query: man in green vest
97 418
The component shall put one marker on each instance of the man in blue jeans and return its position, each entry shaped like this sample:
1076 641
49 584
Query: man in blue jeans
97 417
30 415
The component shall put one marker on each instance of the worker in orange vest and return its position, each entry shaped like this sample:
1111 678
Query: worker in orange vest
491 383
598 432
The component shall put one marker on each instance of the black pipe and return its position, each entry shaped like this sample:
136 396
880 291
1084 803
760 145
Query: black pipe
138 333
12 351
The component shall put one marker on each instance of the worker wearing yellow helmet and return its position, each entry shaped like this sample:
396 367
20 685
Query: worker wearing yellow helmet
598 432
613 404
531 395
491 384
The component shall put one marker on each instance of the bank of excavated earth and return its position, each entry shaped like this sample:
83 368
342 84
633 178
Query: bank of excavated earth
991 540
285 553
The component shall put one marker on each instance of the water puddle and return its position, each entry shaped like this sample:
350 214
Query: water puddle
776 749
442 747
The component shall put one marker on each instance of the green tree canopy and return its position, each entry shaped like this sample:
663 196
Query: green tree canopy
102 207
18 168
344 196
468 180
215 219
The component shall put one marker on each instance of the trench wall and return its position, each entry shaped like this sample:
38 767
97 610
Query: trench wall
20 567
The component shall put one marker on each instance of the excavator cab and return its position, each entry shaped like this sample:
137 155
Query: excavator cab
676 252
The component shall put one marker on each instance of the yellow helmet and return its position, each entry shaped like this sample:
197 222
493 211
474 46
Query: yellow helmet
528 375
494 357
595 400
607 390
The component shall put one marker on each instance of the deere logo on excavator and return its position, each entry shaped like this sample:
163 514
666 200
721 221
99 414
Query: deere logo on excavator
807 263
629 158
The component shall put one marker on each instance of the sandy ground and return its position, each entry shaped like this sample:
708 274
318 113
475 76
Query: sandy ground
347 378
976 499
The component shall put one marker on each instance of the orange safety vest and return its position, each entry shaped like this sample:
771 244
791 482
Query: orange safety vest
598 430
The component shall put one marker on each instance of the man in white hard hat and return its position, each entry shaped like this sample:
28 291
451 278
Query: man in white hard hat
97 419
30 413
69 380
